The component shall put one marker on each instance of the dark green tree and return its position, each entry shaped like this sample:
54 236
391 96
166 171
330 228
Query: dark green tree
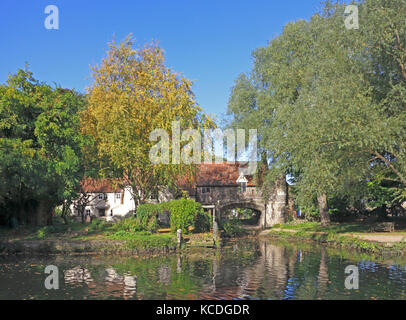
40 148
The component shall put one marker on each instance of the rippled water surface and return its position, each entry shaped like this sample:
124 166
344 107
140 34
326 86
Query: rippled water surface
245 269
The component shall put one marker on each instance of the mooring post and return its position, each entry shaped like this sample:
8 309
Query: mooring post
215 227
179 237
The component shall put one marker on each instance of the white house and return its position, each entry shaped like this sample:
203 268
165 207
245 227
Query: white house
106 200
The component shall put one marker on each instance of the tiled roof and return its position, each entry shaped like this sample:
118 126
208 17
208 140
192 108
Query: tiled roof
221 174
99 186
207 174
215 174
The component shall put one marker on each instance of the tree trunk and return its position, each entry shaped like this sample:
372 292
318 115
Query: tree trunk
65 213
323 207
43 214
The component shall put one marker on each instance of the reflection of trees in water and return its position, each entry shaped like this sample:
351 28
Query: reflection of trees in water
246 269
262 270
322 279
270 272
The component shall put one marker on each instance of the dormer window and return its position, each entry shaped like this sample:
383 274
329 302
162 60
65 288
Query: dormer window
242 182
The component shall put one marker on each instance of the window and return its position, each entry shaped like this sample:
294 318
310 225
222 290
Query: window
100 197
243 187
205 190
88 212
153 195
118 196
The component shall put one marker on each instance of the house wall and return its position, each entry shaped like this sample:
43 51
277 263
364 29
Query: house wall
120 207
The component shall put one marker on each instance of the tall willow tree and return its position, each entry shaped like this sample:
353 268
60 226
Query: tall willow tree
317 94
133 93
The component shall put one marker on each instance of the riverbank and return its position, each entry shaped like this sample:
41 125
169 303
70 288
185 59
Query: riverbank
350 236
93 239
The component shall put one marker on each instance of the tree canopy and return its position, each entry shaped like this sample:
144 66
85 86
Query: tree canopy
132 94
329 102
40 148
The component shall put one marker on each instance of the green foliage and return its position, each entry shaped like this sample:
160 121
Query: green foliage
129 225
183 213
329 103
203 222
42 233
233 228
142 240
98 225
40 147
147 216
380 194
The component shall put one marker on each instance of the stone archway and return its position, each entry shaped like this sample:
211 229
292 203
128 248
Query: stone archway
258 207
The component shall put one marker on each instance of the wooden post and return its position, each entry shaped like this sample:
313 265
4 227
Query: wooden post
215 228
179 237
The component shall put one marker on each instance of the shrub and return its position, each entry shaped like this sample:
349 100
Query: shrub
147 216
183 213
45 231
130 225
203 221
312 214
98 225
233 228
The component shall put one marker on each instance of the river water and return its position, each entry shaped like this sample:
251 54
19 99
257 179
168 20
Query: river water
244 269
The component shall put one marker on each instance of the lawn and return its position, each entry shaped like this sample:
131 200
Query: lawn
338 228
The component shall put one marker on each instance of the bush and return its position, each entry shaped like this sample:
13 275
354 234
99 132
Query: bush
98 225
129 225
42 233
45 231
203 222
312 215
233 228
147 216
183 213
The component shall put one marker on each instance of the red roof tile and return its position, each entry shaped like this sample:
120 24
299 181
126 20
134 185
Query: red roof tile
215 174
100 186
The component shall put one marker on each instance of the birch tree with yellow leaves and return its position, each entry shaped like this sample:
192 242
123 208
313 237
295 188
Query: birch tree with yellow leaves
133 93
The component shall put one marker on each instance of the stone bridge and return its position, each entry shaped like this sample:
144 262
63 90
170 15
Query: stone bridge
220 187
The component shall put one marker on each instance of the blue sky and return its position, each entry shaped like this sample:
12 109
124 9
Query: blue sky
210 42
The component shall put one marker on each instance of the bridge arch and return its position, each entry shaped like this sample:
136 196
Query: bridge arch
242 204
256 206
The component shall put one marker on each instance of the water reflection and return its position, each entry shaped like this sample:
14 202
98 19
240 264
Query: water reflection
247 269
77 276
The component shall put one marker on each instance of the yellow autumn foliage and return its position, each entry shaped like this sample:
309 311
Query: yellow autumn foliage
133 93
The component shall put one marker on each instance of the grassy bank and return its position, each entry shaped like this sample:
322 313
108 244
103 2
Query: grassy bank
352 236
97 237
